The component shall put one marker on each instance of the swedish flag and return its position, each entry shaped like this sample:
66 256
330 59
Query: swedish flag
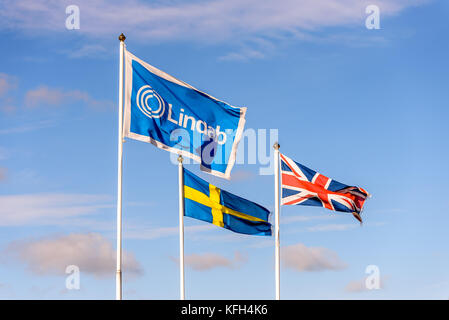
206 202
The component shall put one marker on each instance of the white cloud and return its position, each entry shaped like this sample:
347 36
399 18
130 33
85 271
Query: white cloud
243 55
8 107
2 174
4 154
7 83
7 291
28 127
142 232
333 227
300 218
301 258
360 285
217 20
48 209
342 226
88 50
44 95
208 261
252 29
91 252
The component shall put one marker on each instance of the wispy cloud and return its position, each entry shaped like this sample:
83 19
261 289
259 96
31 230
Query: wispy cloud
46 96
32 126
2 174
360 285
342 226
301 258
7 291
4 154
438 285
333 227
27 176
142 232
216 21
49 209
91 252
243 54
7 82
213 20
301 218
208 261
88 50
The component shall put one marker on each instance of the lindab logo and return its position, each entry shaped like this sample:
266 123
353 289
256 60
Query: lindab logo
150 102
153 106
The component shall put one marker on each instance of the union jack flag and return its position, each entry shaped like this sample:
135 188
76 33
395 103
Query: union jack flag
303 186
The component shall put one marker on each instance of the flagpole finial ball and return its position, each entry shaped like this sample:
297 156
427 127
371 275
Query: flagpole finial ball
122 37
276 146
180 159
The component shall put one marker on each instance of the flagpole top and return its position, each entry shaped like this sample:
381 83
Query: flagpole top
180 159
276 146
122 37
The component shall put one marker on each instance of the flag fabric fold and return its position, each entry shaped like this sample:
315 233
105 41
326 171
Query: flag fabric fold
303 186
174 116
209 203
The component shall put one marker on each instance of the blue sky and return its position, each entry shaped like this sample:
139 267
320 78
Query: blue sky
366 107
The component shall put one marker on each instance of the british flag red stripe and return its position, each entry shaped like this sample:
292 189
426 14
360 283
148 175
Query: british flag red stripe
304 186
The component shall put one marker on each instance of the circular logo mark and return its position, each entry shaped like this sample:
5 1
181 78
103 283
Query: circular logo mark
150 102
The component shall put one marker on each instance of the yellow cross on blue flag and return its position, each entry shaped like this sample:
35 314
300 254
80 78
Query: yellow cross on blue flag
206 202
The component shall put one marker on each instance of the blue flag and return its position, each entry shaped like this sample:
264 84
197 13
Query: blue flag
206 202
174 116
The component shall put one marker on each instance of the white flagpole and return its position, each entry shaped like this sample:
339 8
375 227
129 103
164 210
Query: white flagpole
276 222
118 276
181 228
